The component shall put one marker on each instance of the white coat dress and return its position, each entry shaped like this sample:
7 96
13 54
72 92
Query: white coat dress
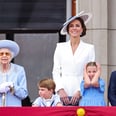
68 67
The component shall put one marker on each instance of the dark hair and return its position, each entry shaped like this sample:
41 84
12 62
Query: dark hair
26 101
82 24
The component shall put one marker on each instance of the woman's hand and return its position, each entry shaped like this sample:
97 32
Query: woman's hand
94 81
64 97
87 82
75 98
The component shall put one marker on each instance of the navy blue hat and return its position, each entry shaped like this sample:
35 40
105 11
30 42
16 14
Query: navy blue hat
11 45
85 16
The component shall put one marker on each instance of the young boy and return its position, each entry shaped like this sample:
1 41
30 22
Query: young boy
47 96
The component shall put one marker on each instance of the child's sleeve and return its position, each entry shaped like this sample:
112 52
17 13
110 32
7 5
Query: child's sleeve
102 85
82 88
36 102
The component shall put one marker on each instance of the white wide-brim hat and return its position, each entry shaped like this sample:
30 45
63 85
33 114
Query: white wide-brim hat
11 45
85 16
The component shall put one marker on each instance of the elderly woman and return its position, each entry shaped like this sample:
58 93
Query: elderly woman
13 84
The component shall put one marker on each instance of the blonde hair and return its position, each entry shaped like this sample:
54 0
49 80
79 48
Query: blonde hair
47 83
91 64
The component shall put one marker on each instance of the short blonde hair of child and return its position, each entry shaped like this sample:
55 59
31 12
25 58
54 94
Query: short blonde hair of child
47 83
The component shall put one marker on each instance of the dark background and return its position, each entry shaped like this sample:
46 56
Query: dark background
32 14
35 26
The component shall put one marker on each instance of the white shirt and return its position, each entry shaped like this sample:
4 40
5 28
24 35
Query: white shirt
47 102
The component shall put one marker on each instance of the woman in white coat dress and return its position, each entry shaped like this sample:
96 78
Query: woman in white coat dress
70 58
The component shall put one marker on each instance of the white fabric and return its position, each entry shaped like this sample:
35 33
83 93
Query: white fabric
47 102
68 68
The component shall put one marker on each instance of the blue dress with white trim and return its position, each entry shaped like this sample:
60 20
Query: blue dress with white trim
93 96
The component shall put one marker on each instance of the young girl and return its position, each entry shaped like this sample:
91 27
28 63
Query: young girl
92 87
47 96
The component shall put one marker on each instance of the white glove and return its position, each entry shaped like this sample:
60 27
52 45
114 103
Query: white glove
5 87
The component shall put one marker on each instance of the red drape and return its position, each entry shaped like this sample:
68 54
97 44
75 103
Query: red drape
56 111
